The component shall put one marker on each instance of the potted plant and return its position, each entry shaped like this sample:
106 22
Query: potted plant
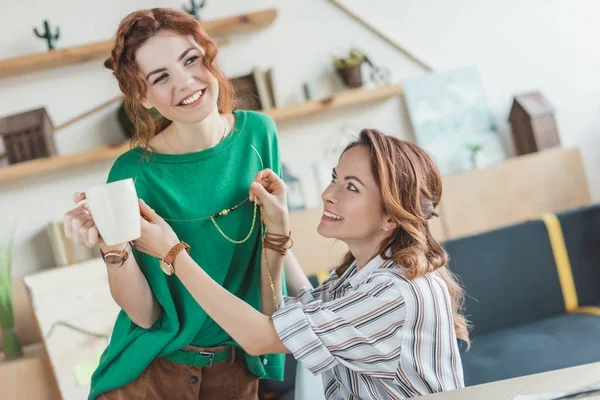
349 68
474 149
12 344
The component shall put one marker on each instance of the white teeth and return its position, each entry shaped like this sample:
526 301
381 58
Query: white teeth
330 215
192 98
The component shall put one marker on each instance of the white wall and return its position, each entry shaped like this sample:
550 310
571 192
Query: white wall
518 46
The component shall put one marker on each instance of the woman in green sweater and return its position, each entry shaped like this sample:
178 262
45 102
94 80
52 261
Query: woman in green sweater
189 166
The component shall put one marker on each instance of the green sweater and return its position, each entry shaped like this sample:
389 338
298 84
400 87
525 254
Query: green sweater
188 187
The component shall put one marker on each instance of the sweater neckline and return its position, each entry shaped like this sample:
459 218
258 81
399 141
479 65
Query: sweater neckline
202 154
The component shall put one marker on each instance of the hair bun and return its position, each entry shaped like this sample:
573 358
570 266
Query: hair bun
109 63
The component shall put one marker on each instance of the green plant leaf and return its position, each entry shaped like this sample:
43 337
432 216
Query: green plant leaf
7 320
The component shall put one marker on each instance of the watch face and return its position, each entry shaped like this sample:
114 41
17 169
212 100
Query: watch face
166 268
113 259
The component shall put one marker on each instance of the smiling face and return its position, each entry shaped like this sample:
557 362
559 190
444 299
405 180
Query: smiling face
352 202
179 85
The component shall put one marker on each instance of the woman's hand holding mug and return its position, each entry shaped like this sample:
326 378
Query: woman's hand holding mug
106 215
80 226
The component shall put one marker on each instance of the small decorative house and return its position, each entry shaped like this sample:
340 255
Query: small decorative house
27 136
533 124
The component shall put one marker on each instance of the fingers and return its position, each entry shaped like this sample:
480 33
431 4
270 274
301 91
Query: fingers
146 212
269 180
258 190
93 236
69 218
266 176
79 228
144 223
260 195
149 214
84 232
79 224
78 196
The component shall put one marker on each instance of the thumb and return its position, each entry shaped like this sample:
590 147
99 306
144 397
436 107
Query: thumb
258 192
146 212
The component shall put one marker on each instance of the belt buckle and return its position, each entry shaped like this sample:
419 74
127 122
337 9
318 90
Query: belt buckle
205 353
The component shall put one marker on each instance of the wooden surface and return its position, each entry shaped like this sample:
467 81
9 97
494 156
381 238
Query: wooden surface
558 382
242 23
517 190
43 165
78 295
79 54
29 377
340 100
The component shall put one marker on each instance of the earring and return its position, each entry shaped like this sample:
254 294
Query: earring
386 229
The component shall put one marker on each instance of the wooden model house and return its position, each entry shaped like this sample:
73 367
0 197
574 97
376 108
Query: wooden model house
27 136
533 124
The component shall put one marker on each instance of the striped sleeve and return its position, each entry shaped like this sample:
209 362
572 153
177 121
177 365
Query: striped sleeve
358 330
306 295
430 362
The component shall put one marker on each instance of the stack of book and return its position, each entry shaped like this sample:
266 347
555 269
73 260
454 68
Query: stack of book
66 251
256 90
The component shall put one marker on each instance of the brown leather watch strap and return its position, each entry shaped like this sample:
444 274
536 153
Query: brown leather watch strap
116 258
123 253
176 250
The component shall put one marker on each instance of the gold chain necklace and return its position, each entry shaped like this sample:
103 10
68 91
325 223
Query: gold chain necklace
226 211
263 232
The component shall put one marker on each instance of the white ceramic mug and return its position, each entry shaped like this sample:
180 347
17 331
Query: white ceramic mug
116 211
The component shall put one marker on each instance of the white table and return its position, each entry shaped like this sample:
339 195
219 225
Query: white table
309 387
78 295
561 380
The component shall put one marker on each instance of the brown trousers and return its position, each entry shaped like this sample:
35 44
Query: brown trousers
167 380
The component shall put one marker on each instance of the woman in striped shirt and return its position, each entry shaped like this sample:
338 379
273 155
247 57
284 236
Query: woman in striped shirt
385 324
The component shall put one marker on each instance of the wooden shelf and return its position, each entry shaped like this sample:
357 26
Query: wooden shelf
43 165
79 54
343 99
337 101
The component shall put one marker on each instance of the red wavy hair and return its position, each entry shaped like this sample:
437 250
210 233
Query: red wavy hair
134 30
410 186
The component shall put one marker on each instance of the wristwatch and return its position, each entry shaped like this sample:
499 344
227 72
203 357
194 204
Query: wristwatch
115 259
166 264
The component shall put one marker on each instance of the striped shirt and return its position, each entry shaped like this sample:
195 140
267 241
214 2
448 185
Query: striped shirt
374 334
